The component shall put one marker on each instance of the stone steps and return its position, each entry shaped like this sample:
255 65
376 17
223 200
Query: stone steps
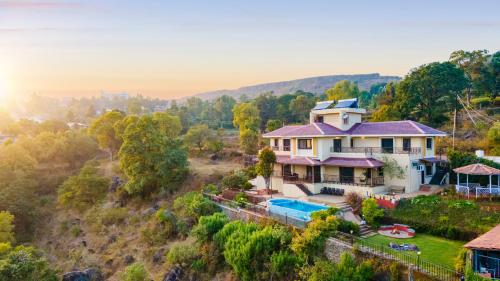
365 231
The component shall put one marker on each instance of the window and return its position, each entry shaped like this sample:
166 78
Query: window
345 119
387 145
337 145
429 143
406 144
319 119
305 143
276 142
352 142
286 144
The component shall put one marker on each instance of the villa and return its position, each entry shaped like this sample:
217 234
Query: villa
338 151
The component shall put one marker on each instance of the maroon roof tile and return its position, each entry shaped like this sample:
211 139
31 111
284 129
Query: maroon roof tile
488 241
477 169
297 160
313 129
405 127
353 162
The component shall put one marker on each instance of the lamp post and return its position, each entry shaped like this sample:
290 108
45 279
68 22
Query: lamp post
418 260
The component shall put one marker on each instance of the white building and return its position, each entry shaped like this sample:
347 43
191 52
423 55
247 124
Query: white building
337 150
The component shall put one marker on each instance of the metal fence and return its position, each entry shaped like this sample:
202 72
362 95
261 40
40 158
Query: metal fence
249 211
429 268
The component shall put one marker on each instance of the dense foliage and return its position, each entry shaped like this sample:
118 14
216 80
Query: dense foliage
152 156
85 189
450 218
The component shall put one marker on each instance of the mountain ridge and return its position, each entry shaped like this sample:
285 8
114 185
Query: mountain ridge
316 84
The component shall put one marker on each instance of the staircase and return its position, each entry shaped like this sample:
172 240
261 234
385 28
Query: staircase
437 178
304 189
365 231
346 209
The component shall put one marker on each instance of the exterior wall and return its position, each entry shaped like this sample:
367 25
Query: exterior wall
291 190
300 170
361 190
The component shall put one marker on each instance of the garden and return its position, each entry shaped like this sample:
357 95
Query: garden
445 216
433 249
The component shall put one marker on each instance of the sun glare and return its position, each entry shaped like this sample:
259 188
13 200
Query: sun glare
4 89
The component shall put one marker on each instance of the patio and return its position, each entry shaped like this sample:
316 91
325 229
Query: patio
476 189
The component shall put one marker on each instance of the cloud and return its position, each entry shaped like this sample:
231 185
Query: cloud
39 5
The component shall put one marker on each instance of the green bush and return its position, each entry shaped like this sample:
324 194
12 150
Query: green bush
235 180
241 199
135 272
192 205
211 189
160 227
346 227
371 211
24 263
208 226
182 254
113 216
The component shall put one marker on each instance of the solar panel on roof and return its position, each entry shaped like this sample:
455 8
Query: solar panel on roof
350 103
323 105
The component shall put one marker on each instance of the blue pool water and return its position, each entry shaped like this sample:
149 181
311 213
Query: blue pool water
294 208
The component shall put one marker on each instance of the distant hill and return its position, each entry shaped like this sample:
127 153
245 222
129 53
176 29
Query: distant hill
313 84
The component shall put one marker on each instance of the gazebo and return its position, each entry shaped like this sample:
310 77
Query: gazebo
478 170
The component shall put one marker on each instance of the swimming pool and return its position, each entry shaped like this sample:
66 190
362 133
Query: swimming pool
294 208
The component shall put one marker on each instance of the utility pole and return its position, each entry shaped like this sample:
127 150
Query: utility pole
455 120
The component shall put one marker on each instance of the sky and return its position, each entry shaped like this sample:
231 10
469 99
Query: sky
171 49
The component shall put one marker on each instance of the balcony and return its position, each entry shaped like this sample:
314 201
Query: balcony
277 148
361 181
375 150
294 177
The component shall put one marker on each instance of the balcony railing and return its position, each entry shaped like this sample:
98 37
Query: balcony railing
362 181
373 150
294 177
283 148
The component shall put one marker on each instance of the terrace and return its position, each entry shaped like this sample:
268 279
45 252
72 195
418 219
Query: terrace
377 150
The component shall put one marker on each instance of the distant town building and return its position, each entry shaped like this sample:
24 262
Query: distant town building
110 95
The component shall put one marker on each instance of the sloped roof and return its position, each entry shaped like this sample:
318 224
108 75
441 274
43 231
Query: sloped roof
313 129
353 162
298 160
488 241
477 169
406 127
389 128
332 161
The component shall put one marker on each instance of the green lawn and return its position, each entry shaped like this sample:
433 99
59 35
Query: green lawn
434 249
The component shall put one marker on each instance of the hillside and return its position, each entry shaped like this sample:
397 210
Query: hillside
312 84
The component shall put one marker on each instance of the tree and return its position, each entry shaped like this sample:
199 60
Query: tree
25 264
249 141
265 166
83 190
223 106
168 124
429 92
198 136
474 66
371 211
246 117
151 157
6 227
494 138
344 89
103 129
301 106
266 104
273 124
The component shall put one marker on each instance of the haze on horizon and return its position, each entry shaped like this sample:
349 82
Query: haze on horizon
179 48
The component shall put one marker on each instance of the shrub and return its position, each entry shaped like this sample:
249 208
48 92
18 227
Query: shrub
113 216
283 264
76 231
24 263
160 227
241 199
208 226
192 205
355 201
182 254
135 272
83 190
211 189
346 227
235 180
460 260
371 211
